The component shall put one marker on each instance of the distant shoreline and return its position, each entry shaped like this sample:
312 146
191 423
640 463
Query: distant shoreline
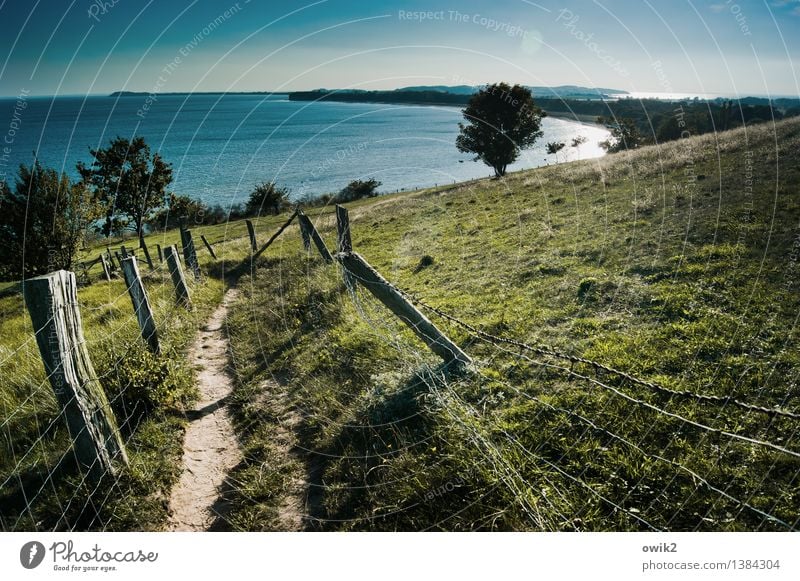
189 93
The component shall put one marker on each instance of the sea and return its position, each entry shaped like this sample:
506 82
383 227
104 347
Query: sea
221 146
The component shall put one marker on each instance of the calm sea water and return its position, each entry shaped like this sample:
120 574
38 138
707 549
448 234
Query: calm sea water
220 146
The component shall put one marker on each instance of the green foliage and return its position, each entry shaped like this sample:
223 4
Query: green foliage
127 180
500 122
42 222
141 382
194 211
624 135
267 196
358 189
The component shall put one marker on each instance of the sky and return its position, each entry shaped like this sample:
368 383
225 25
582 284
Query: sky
69 47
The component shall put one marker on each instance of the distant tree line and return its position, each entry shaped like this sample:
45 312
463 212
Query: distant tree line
45 217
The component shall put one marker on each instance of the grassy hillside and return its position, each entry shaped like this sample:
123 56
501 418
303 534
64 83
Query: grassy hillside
41 487
677 264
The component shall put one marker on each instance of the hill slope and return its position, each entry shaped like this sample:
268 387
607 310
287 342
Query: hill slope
677 264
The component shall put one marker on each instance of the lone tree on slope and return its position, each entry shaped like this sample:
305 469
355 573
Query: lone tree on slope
501 120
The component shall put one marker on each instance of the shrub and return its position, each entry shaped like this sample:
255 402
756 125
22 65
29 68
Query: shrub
267 196
46 214
358 189
140 382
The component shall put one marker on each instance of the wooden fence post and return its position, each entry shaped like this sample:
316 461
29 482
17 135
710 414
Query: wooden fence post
110 257
141 304
275 236
143 246
123 251
305 235
252 233
343 242
189 253
176 272
320 244
160 253
106 269
52 302
210 250
403 309
343 229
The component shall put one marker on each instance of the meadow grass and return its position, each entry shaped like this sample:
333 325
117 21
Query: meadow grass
43 489
676 263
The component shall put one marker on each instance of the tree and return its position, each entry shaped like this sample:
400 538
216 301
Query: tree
267 195
500 122
125 178
578 141
624 135
554 147
179 206
42 222
358 189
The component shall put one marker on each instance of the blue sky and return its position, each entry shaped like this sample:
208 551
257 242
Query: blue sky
86 46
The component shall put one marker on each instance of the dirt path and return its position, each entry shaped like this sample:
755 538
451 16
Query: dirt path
210 449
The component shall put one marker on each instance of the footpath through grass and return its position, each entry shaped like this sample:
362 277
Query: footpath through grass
42 487
677 264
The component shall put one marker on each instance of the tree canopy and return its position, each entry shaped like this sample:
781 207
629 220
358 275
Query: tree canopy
42 222
267 196
501 120
126 179
358 189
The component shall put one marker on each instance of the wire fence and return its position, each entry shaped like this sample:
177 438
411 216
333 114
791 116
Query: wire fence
46 481
688 460
555 440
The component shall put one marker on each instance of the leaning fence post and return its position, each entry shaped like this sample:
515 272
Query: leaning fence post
176 273
52 302
189 253
160 253
141 304
106 269
385 292
123 251
320 244
305 235
210 250
274 237
143 246
252 233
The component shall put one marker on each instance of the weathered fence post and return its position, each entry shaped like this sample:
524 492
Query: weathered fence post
160 253
343 242
141 304
320 244
275 236
52 302
106 269
189 253
119 258
123 251
176 272
403 309
110 257
305 235
252 233
143 246
343 229
210 250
